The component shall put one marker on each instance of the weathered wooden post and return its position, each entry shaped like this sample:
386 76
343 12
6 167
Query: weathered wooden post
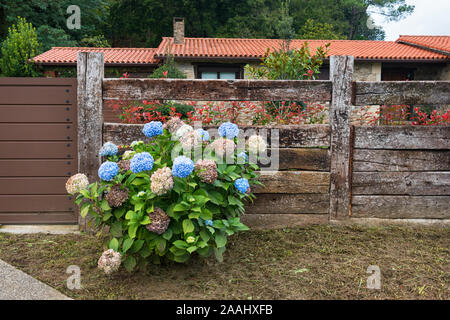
341 75
90 72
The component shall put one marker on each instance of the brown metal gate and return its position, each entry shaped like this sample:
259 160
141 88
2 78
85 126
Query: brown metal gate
38 150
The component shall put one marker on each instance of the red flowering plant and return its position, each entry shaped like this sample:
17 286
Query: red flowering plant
432 119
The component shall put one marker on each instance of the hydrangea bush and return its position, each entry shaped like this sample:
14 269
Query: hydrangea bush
157 206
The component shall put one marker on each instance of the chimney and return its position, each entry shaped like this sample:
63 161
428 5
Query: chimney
178 30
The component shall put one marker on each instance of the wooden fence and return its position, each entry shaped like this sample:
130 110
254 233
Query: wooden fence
328 172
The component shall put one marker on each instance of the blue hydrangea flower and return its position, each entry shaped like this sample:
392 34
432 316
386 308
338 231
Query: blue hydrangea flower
242 185
141 162
209 223
108 170
182 167
204 134
243 155
152 129
108 149
229 130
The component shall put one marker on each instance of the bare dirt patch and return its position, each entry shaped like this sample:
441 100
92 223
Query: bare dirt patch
320 262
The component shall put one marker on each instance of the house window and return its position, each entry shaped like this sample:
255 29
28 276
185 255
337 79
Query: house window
219 71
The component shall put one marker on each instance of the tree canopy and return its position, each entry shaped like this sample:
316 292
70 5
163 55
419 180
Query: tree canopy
142 23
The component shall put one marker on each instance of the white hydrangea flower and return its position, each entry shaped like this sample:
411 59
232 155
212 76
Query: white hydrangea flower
76 183
127 155
256 144
182 131
110 261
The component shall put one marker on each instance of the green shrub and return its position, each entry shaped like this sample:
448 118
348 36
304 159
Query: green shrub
157 206
168 70
18 49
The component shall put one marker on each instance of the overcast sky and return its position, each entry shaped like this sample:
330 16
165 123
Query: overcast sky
430 17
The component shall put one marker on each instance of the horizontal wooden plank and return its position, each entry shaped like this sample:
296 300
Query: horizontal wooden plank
38 168
216 90
276 221
37 113
401 183
36 94
38 132
38 150
289 204
36 203
402 92
403 137
400 160
33 185
300 159
32 81
306 136
293 182
401 207
39 218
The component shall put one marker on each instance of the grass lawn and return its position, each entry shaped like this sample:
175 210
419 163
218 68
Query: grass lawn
319 262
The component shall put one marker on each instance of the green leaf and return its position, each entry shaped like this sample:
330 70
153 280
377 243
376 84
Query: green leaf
145 220
127 244
221 240
188 226
131 215
138 206
218 253
104 205
118 213
114 244
107 216
162 245
132 230
180 207
137 245
85 193
206 214
191 249
85 209
130 263
216 197
180 244
145 252
204 235
233 200
194 215
181 258
116 229
138 182
168 234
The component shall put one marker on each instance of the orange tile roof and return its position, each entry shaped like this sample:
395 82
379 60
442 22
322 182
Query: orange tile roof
68 55
441 43
255 48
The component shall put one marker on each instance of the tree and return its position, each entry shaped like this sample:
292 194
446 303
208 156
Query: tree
51 16
317 30
168 70
17 50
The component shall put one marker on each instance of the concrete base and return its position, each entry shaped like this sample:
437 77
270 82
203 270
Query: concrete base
17 285
372 222
47 229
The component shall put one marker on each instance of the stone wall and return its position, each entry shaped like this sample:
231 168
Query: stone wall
367 71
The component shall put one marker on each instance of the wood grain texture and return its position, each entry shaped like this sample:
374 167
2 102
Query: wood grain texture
402 92
401 183
39 218
33 203
90 70
293 182
33 185
365 160
38 168
306 136
277 221
38 132
304 159
37 150
289 204
36 113
401 207
403 137
341 75
216 90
